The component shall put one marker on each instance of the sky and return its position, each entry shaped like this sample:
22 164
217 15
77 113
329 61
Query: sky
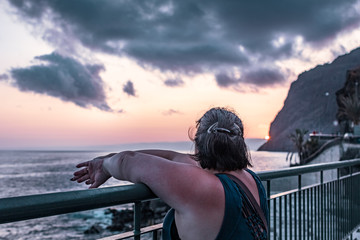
87 72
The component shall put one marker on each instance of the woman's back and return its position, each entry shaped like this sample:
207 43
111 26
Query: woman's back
233 218
241 219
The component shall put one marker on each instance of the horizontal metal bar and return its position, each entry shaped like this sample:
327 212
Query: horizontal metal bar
43 205
293 171
131 234
277 195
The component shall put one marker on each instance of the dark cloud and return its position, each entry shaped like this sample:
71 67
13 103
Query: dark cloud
171 112
64 78
176 82
261 77
193 36
4 77
129 89
224 80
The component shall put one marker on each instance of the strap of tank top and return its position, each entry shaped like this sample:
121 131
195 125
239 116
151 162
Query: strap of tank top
251 198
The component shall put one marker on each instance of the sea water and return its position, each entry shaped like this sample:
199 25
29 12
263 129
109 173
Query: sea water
37 172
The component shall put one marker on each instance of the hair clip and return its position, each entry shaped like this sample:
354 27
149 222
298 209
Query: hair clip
213 129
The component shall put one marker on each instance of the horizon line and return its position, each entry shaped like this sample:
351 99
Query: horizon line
178 145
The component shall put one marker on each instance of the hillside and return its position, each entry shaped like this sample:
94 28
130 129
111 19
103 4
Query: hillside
311 102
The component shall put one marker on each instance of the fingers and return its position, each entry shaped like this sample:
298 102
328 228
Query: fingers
83 164
83 178
80 174
83 174
88 182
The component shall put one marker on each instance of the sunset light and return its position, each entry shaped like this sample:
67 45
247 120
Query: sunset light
59 88
183 101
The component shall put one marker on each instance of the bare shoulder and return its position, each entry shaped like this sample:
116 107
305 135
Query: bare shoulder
202 214
249 180
186 187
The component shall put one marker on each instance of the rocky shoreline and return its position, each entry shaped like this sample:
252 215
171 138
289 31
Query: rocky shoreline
152 212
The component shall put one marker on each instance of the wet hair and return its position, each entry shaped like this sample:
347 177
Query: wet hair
219 141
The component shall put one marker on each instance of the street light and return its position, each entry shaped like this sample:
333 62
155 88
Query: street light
326 105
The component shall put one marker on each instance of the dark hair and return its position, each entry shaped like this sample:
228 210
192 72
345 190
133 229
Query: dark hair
219 141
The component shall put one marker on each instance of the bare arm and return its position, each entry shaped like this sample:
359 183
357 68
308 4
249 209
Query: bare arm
176 183
170 155
167 154
180 185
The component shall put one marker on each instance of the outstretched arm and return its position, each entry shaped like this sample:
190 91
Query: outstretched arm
99 170
170 155
176 183
167 154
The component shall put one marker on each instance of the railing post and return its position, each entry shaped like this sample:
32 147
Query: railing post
286 218
338 204
312 213
268 202
299 199
274 215
352 222
137 220
295 214
308 211
155 236
322 203
290 217
280 218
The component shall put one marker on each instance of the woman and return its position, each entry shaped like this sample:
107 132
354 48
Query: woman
207 201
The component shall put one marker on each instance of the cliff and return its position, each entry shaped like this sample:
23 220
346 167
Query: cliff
311 102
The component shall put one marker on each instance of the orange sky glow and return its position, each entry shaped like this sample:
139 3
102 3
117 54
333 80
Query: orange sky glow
154 112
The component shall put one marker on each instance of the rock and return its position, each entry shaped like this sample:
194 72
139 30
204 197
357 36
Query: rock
311 102
122 220
152 212
94 229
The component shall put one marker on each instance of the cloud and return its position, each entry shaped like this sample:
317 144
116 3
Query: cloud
171 112
4 77
64 78
190 37
176 82
224 80
129 89
261 77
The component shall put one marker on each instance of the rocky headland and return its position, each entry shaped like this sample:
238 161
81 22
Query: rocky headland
311 102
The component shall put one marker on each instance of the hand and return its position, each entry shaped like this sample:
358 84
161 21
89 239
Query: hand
93 173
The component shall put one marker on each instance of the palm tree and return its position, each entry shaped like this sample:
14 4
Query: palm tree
350 108
298 139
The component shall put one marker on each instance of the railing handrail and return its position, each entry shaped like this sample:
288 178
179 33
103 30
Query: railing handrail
42 205
294 171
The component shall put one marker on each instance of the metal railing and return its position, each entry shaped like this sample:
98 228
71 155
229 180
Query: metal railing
328 209
323 210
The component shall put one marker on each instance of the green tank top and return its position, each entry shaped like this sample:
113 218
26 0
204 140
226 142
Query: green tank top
239 222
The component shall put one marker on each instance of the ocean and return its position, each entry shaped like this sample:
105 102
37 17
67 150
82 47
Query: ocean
37 172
